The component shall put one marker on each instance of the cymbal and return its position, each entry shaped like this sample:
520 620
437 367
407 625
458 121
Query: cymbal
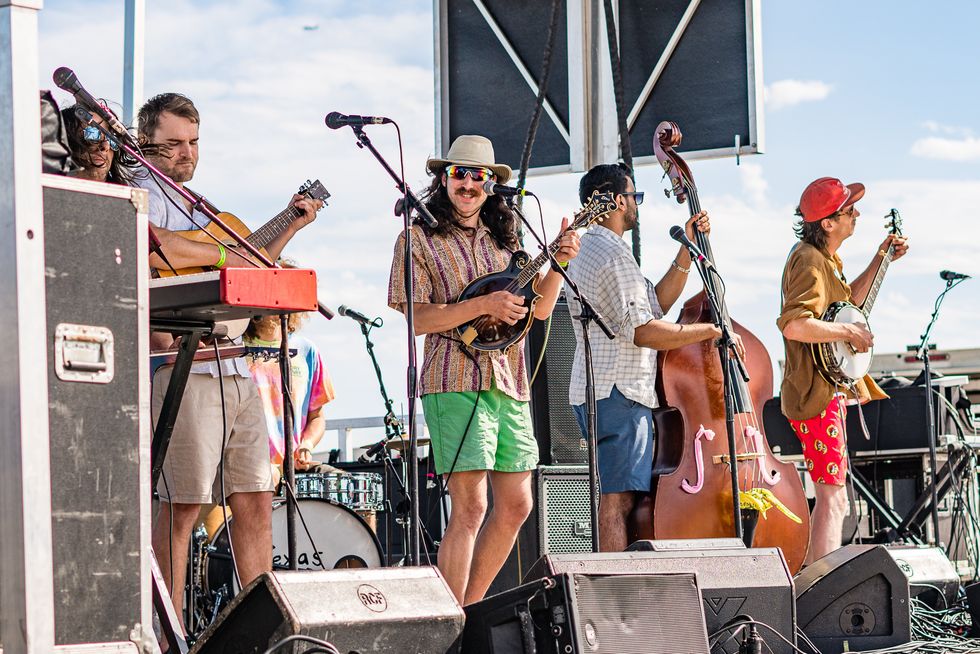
399 444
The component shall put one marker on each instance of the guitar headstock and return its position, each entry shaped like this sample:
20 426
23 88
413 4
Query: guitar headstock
893 222
315 191
594 210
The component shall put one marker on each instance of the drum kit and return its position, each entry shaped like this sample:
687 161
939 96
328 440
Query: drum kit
337 529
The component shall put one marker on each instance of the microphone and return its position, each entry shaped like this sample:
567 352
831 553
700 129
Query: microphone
372 452
950 276
677 233
491 187
358 316
336 120
66 80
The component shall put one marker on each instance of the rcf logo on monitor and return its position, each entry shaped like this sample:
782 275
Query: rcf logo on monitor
372 598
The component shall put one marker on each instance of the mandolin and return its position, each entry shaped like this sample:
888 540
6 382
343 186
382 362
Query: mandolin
259 238
838 362
486 333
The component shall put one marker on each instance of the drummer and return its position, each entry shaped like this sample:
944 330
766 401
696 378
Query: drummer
311 387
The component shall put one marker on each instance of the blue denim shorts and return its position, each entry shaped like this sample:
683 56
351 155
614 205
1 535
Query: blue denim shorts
624 429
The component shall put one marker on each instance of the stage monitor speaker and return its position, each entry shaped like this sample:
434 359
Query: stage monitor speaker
388 610
932 577
855 598
589 613
555 425
732 580
96 296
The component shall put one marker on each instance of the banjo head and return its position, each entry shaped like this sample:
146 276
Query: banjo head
845 362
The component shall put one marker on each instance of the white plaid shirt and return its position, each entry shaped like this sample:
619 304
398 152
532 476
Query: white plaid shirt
609 277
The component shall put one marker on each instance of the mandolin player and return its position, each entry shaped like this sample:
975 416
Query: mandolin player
476 402
812 280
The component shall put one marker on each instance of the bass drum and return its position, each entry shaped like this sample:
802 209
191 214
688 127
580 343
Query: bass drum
340 539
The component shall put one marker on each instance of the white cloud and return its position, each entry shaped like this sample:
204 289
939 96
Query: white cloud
966 148
949 130
753 182
789 92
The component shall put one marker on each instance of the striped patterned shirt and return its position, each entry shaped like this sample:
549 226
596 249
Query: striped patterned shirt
444 265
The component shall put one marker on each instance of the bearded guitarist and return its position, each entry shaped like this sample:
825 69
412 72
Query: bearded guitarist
476 402
168 131
813 279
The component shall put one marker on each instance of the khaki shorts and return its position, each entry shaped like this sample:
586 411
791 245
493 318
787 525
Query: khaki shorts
190 470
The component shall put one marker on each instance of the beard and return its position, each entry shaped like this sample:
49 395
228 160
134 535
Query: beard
179 171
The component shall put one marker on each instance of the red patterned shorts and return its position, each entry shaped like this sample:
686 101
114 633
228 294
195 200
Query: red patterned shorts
824 442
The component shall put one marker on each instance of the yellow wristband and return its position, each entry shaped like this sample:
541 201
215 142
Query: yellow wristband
563 264
224 255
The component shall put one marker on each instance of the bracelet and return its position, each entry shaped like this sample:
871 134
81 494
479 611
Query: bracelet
683 270
224 255
562 264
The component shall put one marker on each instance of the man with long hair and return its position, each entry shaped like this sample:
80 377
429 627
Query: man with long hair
476 403
813 279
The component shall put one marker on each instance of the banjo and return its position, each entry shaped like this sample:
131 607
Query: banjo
838 362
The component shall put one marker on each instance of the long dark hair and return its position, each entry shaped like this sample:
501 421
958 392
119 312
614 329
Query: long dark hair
495 214
121 169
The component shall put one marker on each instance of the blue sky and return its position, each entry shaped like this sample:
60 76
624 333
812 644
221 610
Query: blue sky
873 91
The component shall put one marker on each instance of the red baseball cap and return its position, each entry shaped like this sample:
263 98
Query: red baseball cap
826 196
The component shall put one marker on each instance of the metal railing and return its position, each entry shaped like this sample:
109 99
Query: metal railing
347 442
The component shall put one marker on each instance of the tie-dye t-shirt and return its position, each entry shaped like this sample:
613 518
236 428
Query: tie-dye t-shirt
311 387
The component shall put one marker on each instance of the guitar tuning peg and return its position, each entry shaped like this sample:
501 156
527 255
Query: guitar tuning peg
666 193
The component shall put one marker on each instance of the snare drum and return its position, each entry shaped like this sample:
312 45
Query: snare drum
341 539
360 491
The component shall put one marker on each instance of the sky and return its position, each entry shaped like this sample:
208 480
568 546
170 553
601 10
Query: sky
866 91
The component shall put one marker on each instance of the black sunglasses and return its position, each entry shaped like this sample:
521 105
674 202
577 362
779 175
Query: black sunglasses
637 196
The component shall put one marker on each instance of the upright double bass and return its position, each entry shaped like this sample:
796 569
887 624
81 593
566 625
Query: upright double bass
692 489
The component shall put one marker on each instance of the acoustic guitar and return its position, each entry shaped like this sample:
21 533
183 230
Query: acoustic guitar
486 333
838 362
260 238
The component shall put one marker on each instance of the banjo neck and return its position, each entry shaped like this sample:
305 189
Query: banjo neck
869 301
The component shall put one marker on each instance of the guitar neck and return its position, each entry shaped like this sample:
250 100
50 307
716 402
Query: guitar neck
879 278
268 232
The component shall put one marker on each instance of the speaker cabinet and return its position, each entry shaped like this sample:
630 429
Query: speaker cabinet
386 610
96 286
855 598
593 614
555 425
732 580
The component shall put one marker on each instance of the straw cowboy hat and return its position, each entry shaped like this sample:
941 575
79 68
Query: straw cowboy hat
471 150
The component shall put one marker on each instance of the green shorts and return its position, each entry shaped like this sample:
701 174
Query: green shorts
500 436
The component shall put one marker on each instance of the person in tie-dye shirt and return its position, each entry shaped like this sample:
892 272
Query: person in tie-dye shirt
311 387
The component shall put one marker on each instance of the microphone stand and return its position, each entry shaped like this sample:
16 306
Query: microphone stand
727 353
410 203
922 353
288 464
393 429
588 314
